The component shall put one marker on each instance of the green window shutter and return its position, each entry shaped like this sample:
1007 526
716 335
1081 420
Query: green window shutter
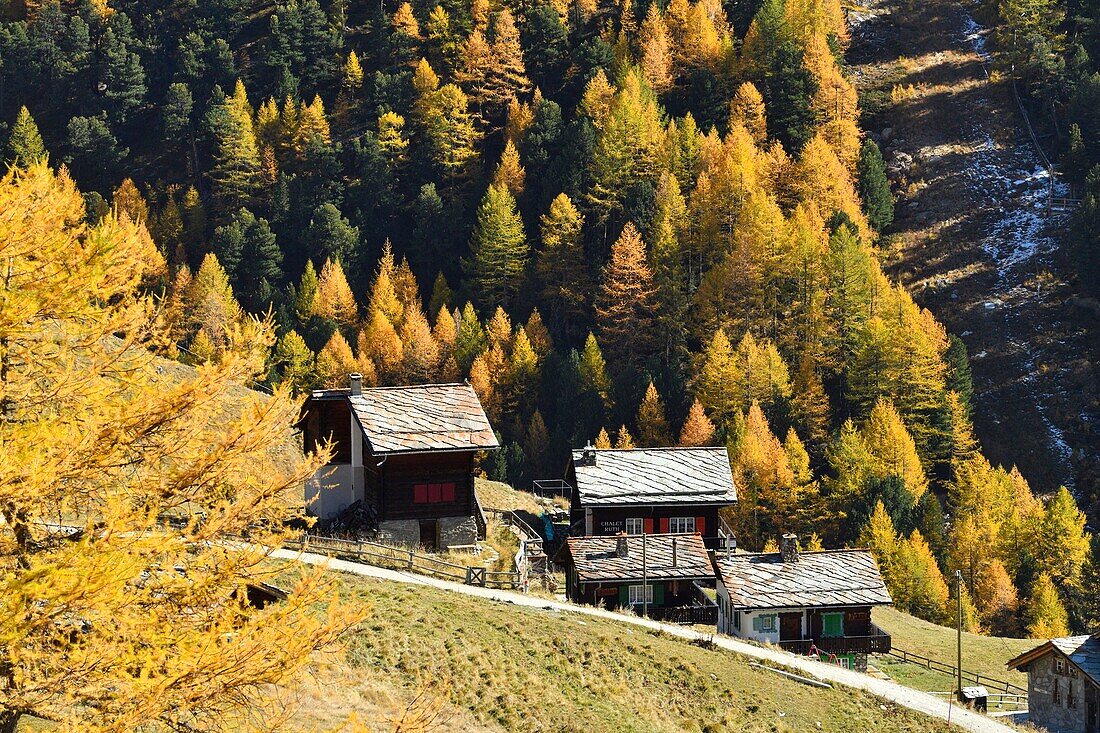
756 623
624 595
658 594
832 624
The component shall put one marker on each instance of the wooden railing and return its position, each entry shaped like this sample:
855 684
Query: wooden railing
876 643
695 614
397 558
979 679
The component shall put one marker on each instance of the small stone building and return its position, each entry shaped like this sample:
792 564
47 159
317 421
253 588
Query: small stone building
809 603
666 571
406 454
651 491
1063 684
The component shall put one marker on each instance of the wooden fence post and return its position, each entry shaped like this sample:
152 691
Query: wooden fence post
411 556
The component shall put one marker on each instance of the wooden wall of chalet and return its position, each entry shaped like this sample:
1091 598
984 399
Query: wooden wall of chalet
612 520
391 485
857 621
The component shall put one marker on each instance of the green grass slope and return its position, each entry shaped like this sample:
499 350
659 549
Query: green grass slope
981 654
496 667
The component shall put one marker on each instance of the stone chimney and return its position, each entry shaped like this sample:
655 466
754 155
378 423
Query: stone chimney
621 550
788 547
588 455
675 553
356 382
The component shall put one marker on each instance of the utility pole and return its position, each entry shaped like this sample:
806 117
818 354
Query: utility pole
645 581
959 628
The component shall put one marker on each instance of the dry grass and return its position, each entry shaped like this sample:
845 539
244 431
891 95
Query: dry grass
505 668
982 654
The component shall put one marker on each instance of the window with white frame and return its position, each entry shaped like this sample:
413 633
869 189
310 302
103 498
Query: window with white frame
679 525
635 594
635 525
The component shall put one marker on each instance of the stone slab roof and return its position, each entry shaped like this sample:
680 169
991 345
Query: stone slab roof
647 476
421 418
817 579
596 560
1083 651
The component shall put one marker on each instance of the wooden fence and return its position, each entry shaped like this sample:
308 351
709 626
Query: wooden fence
979 679
397 558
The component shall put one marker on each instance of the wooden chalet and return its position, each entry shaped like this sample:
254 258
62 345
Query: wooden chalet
1063 684
405 454
666 571
651 490
806 602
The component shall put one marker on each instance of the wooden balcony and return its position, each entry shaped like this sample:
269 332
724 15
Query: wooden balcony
695 614
877 643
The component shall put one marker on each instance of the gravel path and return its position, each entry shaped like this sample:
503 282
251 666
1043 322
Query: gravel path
885 689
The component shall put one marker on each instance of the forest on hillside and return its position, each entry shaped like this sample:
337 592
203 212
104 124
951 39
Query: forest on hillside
631 223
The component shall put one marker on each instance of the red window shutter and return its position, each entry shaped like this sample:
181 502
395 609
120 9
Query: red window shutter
433 493
420 494
664 525
448 494
647 526
701 525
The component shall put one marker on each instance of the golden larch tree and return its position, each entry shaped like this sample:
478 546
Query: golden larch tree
112 619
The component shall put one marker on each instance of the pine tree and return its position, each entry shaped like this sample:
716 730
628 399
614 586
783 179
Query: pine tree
623 439
293 362
997 600
420 349
654 41
506 74
1046 616
698 430
236 169
470 340
101 631
919 586
626 304
536 446
873 187
334 299
380 343
211 305
1061 542
127 199
603 440
335 361
331 236
499 249
563 275
653 430
499 330
538 334
747 110
509 173
25 146
592 370
893 449
879 536
307 292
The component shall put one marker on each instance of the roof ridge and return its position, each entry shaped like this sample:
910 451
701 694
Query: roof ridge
395 387
660 448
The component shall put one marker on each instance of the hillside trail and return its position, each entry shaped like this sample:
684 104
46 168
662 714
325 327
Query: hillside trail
975 241
885 689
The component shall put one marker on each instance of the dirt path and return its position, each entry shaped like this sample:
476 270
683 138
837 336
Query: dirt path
885 689
975 241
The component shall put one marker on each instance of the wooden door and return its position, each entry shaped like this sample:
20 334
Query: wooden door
429 534
790 626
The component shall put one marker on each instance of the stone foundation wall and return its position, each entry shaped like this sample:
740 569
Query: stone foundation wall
457 531
400 532
452 531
